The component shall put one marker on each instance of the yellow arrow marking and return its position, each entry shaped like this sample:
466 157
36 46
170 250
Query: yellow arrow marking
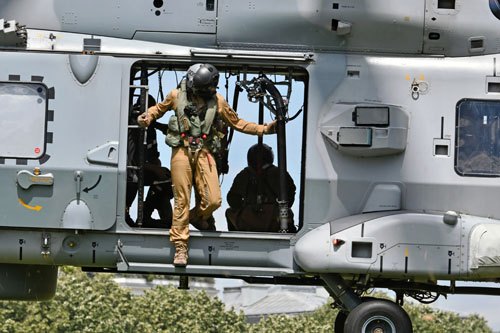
37 208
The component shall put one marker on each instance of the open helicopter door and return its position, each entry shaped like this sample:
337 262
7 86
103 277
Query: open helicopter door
241 252
58 147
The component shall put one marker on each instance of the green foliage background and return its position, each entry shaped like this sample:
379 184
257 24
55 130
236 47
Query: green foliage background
98 304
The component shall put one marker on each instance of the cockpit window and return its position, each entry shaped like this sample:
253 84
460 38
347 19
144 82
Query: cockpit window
23 108
478 138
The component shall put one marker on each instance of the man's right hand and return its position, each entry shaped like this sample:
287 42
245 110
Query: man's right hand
143 120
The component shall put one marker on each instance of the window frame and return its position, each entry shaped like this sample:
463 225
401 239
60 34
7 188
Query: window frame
45 120
457 139
172 65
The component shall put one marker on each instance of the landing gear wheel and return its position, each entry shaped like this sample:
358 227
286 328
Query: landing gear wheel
340 322
341 316
378 316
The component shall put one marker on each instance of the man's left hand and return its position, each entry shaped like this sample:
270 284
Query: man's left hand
271 128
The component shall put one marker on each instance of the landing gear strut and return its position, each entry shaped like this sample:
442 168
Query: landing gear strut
366 314
340 322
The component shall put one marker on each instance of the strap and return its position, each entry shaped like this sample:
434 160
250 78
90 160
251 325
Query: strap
237 90
193 157
209 116
263 183
268 186
182 100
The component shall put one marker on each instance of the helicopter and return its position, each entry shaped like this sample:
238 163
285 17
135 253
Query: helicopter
399 156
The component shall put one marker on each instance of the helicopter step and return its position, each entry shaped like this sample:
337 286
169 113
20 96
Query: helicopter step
204 270
208 263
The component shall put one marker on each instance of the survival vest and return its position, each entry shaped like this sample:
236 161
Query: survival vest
192 129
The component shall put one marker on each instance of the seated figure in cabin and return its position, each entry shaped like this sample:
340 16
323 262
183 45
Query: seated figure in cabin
158 178
254 193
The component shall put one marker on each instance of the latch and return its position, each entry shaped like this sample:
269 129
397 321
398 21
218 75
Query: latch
78 180
45 245
418 88
342 28
26 179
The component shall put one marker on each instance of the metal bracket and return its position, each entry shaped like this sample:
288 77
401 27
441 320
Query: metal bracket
45 245
400 297
256 93
284 217
13 34
123 263
237 54
183 282
78 180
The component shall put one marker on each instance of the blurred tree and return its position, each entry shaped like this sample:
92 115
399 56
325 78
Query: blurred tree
98 304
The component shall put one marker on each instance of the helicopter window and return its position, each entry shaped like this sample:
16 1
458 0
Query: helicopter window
478 143
23 107
210 5
361 250
446 4
494 87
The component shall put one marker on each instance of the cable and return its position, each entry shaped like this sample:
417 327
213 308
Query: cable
296 115
227 76
160 86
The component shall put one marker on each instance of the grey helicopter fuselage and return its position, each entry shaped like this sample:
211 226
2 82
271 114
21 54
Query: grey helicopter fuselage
399 161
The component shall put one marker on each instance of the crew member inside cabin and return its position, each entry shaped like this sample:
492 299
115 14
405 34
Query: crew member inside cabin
254 193
156 176
195 133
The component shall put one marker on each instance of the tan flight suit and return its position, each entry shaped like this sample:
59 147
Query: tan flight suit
206 179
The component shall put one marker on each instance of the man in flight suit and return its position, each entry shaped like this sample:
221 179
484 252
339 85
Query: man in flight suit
195 133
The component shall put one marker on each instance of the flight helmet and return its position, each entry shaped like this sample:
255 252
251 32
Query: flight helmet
267 156
202 79
136 110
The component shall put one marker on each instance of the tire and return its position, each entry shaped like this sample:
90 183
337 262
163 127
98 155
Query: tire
341 316
378 313
340 322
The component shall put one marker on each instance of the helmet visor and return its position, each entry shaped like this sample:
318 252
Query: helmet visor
204 91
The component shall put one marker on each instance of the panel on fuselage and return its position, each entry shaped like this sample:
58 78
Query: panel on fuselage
70 179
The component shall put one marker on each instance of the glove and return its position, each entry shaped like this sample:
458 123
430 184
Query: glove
271 128
143 120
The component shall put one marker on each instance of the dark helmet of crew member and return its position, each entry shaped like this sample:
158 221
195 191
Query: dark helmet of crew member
253 156
136 110
202 79
151 101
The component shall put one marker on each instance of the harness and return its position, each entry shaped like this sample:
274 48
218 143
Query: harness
194 129
265 192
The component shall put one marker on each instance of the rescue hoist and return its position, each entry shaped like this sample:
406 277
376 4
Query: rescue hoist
264 91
